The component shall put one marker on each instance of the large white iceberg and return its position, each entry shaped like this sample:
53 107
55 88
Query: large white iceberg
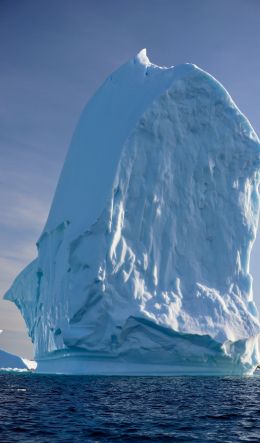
143 265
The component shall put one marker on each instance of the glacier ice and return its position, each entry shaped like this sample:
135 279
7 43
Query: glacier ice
143 265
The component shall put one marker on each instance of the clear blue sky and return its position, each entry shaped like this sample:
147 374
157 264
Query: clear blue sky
53 56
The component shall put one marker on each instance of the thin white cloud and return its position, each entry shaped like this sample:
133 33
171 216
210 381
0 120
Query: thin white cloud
24 211
13 260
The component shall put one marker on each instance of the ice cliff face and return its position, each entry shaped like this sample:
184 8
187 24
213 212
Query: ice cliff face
147 245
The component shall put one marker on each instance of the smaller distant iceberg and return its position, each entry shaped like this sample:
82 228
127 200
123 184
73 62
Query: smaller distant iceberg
11 361
14 362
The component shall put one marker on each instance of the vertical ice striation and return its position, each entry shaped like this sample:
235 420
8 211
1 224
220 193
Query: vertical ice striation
143 265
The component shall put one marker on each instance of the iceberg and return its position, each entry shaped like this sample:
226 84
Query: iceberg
11 362
143 264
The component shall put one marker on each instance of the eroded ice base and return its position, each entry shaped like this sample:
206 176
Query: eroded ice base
163 352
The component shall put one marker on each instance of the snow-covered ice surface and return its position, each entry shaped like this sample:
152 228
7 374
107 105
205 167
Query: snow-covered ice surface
143 265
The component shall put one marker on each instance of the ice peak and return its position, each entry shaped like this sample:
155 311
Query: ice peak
142 58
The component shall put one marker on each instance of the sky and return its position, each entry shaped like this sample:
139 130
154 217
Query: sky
54 54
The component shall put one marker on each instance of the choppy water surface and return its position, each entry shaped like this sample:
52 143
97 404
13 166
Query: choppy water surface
36 408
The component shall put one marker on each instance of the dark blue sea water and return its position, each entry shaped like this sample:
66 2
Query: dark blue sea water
36 408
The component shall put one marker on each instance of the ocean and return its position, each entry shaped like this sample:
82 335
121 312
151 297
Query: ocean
42 408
